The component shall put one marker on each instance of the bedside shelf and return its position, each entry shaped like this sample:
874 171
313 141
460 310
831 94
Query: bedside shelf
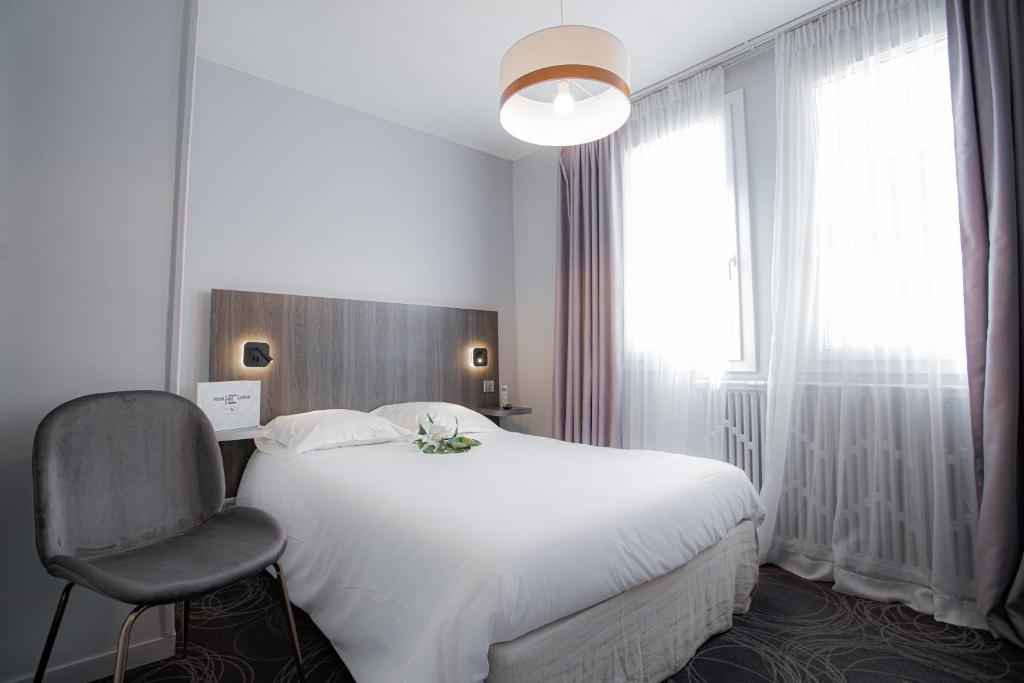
504 412
239 434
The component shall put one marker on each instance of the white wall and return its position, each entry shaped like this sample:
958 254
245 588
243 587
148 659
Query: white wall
534 200
534 214
88 141
293 194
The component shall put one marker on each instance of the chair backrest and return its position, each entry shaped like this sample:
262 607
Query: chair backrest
116 471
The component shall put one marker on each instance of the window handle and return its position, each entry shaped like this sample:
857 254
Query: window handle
732 264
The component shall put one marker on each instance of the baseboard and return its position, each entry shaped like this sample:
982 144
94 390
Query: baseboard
102 665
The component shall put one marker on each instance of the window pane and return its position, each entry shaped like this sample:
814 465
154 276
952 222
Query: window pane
682 285
885 206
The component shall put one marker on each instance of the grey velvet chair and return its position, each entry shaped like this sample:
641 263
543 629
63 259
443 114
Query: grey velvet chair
129 503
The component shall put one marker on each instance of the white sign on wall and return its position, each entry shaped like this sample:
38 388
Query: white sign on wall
230 405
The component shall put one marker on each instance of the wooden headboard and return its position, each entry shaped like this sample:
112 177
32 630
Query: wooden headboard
340 353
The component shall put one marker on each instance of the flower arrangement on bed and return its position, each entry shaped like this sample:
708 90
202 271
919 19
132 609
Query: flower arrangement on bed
434 438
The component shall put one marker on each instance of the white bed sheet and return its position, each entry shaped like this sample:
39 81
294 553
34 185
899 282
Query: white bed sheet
414 564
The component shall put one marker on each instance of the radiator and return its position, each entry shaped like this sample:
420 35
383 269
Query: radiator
736 431
873 511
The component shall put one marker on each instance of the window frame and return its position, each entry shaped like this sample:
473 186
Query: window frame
737 172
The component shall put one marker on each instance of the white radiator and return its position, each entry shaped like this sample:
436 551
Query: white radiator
736 429
877 421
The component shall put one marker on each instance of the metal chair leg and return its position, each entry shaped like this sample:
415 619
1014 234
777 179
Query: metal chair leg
52 635
184 627
121 663
296 652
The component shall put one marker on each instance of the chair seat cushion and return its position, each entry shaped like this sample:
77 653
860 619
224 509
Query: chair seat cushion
233 544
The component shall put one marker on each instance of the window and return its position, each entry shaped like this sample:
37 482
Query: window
688 277
885 206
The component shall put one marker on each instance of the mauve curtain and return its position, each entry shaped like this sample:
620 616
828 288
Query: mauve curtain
986 40
588 298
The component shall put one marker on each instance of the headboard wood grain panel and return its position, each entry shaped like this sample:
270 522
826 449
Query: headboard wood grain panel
342 353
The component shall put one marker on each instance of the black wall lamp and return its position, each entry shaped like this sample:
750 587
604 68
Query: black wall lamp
256 355
480 357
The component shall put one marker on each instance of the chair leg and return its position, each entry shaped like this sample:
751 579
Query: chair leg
184 627
52 635
296 652
121 663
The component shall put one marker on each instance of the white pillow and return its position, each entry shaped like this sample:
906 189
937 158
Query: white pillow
410 415
327 429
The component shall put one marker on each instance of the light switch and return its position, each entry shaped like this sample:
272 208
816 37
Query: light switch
488 386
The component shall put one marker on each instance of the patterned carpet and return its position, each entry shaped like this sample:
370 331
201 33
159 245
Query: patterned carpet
796 630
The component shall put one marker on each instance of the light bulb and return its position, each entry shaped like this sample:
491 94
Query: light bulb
563 102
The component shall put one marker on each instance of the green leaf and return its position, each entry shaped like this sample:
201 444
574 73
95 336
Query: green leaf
453 444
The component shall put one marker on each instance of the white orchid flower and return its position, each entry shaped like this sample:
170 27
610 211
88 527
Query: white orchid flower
438 437
433 432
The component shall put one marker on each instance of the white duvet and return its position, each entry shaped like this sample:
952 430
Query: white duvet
413 564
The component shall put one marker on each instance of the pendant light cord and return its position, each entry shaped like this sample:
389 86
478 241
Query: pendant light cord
561 12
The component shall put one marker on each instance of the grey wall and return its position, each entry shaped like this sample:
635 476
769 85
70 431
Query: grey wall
534 201
88 140
293 194
534 196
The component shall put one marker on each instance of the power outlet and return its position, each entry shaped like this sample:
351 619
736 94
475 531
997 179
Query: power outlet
488 386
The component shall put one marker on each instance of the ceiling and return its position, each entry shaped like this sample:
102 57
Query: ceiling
432 65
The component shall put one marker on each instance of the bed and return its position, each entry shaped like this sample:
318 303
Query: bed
526 559
489 564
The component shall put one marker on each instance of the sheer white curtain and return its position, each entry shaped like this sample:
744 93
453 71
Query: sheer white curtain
869 467
679 235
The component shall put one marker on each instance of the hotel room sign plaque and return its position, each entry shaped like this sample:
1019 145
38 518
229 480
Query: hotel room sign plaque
230 405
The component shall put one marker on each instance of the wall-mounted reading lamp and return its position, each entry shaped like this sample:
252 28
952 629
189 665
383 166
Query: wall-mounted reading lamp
256 355
480 357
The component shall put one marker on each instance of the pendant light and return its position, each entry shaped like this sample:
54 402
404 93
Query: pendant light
565 85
